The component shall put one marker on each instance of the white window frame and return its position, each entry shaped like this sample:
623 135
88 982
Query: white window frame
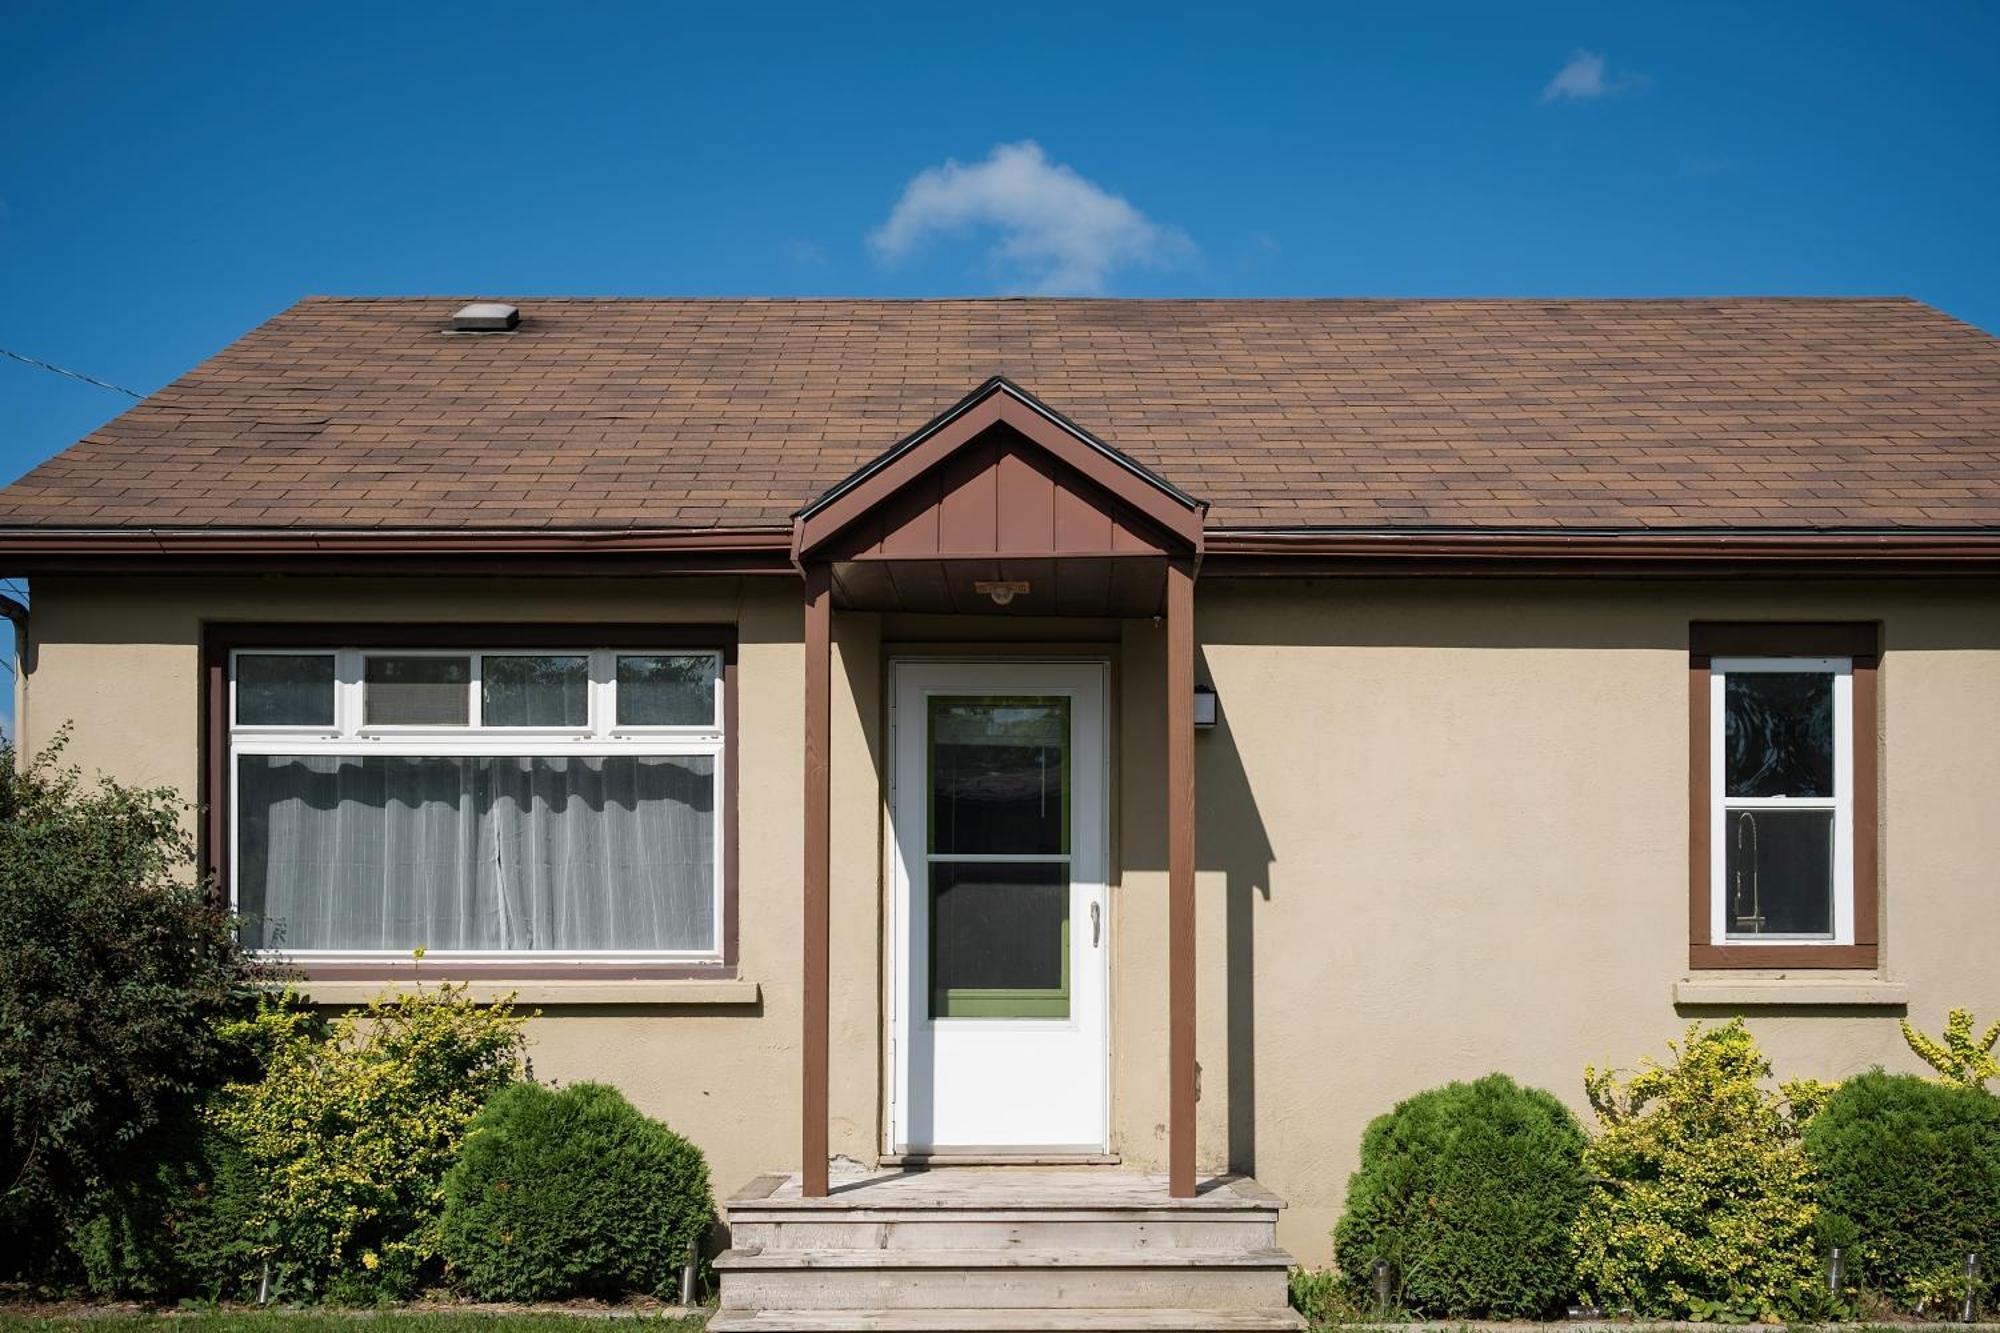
600 736
1721 805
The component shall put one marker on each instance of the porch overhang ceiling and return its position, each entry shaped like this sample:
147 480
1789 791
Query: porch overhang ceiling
1001 505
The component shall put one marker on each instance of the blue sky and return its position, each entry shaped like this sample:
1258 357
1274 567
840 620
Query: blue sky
172 174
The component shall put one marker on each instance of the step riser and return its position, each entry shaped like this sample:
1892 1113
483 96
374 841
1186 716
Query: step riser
1004 1288
1037 1320
961 1233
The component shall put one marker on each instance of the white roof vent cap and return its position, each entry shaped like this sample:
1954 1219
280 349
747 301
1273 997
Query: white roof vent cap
485 317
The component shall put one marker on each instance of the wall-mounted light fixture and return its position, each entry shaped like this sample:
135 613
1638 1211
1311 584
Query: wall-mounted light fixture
1002 591
1204 706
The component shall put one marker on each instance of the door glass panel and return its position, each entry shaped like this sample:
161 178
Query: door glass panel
999 939
999 790
999 779
1779 865
1779 733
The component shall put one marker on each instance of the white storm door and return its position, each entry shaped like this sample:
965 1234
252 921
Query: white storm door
1001 937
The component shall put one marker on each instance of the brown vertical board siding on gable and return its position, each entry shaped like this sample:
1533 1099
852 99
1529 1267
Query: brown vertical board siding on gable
1000 494
219 639
1028 450
1860 641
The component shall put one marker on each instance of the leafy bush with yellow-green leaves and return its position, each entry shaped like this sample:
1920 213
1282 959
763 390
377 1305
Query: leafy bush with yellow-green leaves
346 1138
1960 1057
1701 1202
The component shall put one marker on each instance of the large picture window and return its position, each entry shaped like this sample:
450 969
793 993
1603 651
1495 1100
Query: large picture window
1784 781
560 803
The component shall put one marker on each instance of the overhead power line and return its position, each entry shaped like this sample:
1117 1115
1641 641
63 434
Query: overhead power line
71 374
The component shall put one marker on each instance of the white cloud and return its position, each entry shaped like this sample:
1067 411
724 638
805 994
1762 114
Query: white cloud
803 253
1587 77
1056 232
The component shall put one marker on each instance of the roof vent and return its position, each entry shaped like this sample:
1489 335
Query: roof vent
485 317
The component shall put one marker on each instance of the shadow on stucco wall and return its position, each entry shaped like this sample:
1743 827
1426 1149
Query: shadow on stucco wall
1230 837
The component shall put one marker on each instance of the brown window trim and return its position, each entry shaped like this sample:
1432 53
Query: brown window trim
220 639
1861 642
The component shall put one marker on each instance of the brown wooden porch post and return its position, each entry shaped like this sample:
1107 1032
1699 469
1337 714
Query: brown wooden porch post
818 876
1180 881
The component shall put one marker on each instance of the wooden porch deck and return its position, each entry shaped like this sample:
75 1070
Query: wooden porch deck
1005 1187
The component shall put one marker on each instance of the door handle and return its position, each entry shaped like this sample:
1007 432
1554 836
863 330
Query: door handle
1094 922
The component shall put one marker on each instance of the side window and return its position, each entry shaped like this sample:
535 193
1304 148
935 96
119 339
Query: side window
1784 795
1783 747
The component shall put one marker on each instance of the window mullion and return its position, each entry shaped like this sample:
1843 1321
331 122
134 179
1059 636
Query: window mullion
603 692
347 692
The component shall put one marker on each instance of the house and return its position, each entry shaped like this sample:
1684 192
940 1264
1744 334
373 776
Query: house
1095 746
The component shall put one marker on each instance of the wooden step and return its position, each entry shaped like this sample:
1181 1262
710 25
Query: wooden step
1025 1320
1016 1250
748 1260
1005 1230
1002 1279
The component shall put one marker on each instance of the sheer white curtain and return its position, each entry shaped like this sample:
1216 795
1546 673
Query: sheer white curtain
491 853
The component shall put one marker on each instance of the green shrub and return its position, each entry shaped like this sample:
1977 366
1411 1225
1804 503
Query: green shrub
184 1230
572 1193
1909 1181
1471 1192
1701 1199
346 1138
1322 1298
115 965
185 1226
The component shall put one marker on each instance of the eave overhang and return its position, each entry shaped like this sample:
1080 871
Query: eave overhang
299 550
1281 553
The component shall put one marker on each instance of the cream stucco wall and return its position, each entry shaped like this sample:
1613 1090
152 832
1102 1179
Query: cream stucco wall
120 661
1447 824
1442 832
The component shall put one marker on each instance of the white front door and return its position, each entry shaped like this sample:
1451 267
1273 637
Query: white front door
1001 940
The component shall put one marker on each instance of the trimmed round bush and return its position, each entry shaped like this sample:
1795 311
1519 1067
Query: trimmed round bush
1909 1181
1470 1191
570 1193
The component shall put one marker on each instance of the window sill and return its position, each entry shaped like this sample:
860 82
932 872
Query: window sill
1783 957
1792 992
719 992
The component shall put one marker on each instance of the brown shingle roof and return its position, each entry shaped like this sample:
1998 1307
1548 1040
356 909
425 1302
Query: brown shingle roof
1351 413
